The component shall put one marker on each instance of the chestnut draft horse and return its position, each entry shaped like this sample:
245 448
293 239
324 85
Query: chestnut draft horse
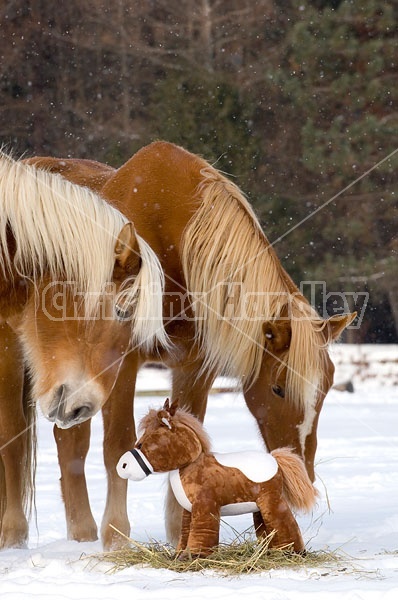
58 239
209 485
229 307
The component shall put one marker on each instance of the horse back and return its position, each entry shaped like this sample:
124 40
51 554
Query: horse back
157 189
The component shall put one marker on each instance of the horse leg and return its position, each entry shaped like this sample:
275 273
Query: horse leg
119 435
191 387
277 517
73 445
14 444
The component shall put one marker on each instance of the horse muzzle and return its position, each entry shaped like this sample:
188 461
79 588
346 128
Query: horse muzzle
134 465
63 414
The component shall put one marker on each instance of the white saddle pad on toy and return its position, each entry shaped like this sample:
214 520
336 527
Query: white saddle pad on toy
257 466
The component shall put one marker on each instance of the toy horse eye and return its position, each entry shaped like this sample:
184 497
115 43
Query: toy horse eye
278 391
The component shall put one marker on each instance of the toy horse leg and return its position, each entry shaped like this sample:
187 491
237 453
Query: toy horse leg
185 529
14 440
73 445
278 517
205 528
119 434
192 389
260 527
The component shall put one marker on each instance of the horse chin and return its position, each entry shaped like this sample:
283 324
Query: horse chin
68 405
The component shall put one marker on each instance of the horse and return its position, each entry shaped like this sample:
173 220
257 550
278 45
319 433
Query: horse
209 485
60 239
228 307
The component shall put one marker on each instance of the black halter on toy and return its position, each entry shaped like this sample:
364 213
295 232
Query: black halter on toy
140 461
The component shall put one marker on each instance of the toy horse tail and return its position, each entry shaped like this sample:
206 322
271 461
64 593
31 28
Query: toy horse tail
298 489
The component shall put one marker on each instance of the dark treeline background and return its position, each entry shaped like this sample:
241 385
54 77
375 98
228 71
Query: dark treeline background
295 100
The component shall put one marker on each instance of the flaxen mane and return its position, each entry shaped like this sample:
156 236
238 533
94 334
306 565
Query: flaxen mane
236 283
69 233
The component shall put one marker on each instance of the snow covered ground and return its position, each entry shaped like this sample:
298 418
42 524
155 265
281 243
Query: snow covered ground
357 469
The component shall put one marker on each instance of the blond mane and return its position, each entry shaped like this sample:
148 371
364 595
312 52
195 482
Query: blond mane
237 283
144 294
67 232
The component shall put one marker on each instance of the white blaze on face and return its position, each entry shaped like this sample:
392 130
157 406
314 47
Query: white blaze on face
310 400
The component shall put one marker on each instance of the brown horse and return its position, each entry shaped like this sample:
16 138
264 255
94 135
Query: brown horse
209 485
228 307
60 240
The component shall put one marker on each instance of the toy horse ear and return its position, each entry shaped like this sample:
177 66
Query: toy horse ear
173 408
338 323
127 251
170 408
277 334
167 412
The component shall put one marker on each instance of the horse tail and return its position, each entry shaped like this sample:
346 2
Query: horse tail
30 459
297 486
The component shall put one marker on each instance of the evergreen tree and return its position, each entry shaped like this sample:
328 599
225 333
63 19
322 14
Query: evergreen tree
338 74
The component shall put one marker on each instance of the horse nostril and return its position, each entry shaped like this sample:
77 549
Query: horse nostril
82 413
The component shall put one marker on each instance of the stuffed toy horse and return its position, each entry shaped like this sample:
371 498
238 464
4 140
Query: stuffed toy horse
209 485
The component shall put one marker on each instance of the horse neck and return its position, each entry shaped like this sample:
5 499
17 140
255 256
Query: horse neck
156 189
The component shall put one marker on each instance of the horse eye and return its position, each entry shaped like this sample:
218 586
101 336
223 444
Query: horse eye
122 314
138 446
278 391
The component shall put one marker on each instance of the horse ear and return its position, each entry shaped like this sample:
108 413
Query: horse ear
338 323
127 251
166 405
278 334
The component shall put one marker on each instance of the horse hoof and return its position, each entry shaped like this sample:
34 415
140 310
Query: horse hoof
12 541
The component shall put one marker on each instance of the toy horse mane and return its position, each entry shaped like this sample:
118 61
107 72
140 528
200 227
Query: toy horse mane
172 414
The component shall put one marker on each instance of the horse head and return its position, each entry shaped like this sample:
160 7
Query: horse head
74 356
171 438
287 396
